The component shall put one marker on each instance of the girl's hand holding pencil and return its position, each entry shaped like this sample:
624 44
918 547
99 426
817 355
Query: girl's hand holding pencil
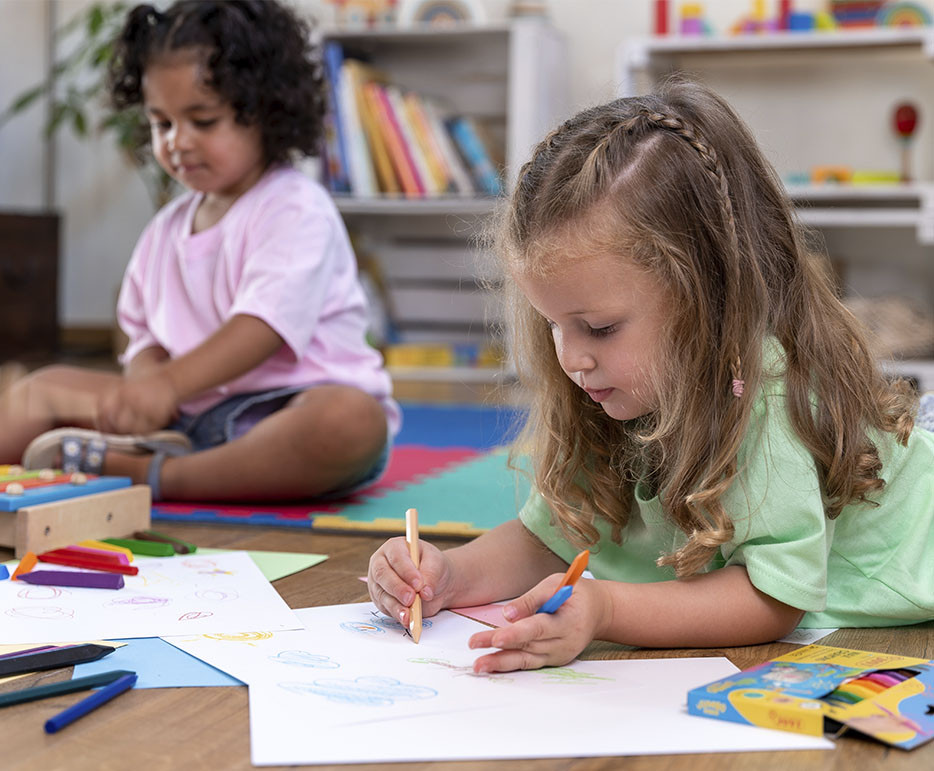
394 580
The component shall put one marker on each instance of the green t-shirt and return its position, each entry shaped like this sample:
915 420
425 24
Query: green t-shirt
872 566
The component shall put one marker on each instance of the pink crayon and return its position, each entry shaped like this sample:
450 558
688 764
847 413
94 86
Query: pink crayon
67 578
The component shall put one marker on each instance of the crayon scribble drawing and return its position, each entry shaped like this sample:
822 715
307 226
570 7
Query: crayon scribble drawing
378 624
463 671
167 597
569 675
140 601
217 595
304 659
364 691
365 628
41 613
247 637
40 592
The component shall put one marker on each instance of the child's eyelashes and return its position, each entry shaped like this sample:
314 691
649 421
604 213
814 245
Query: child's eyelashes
601 331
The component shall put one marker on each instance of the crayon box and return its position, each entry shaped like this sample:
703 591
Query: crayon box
818 689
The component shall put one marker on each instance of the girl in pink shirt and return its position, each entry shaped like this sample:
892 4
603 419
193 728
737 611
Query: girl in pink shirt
247 374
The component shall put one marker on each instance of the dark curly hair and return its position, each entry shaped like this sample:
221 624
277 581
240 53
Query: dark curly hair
259 59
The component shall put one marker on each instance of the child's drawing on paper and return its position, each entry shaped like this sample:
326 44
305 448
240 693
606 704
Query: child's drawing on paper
366 691
304 659
462 671
174 597
140 601
247 637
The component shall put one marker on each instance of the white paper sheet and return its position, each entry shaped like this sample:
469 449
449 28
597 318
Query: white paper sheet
353 673
220 593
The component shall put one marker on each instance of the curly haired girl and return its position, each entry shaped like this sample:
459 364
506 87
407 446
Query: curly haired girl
245 316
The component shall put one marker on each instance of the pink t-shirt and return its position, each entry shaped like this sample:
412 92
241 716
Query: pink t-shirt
280 253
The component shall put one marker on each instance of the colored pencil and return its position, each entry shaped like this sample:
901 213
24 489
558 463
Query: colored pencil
65 686
411 538
92 702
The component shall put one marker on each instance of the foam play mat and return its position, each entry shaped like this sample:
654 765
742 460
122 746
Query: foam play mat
449 462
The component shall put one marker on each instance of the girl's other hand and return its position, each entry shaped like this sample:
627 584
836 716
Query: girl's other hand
138 405
393 579
544 639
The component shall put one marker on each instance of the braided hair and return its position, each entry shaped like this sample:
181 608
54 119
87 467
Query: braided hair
675 182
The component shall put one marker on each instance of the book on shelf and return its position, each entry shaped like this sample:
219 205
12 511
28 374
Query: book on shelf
384 139
359 74
457 171
467 135
359 161
399 153
335 152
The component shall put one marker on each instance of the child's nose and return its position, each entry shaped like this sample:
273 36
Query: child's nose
179 138
574 357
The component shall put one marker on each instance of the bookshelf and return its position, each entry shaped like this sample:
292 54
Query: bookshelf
822 89
511 79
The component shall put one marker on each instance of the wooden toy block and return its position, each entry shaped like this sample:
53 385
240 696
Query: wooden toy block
44 526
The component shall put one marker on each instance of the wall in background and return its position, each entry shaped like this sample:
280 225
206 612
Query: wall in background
105 204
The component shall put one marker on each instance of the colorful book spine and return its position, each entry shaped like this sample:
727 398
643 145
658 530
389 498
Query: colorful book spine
398 152
385 174
362 177
335 150
434 157
468 141
460 175
414 147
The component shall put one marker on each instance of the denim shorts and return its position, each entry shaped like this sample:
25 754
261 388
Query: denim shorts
233 417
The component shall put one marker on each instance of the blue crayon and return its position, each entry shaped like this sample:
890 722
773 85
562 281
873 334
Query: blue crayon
556 600
70 715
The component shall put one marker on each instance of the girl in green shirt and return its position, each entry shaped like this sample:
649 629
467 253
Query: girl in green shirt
706 416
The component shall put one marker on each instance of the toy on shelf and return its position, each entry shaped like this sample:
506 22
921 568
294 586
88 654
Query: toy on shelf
692 22
905 122
787 20
660 17
364 13
903 15
855 13
839 175
49 509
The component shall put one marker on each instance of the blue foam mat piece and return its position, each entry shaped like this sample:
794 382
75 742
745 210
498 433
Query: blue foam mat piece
459 425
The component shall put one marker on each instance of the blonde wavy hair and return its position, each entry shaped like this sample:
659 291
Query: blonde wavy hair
675 182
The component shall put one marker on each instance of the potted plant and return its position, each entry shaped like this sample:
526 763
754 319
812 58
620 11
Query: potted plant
78 83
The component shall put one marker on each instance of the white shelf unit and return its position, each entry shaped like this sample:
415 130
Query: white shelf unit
511 78
836 210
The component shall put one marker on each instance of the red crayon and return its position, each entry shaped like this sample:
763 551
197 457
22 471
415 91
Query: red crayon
90 564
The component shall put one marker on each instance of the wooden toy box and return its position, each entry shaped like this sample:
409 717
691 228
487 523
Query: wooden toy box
49 514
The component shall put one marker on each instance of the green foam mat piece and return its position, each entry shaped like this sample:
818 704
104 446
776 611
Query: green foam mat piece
466 500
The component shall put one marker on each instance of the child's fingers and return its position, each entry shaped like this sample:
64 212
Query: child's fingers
382 575
529 603
509 661
521 635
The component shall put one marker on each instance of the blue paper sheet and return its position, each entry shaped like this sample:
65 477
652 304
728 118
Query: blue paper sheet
158 665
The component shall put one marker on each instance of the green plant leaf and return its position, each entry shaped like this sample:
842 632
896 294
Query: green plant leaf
27 98
79 123
95 19
59 113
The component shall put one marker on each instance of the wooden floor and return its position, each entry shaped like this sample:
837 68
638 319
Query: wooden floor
186 729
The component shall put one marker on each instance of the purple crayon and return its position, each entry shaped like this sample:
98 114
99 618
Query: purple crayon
67 578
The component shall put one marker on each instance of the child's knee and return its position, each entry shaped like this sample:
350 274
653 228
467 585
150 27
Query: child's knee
357 418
